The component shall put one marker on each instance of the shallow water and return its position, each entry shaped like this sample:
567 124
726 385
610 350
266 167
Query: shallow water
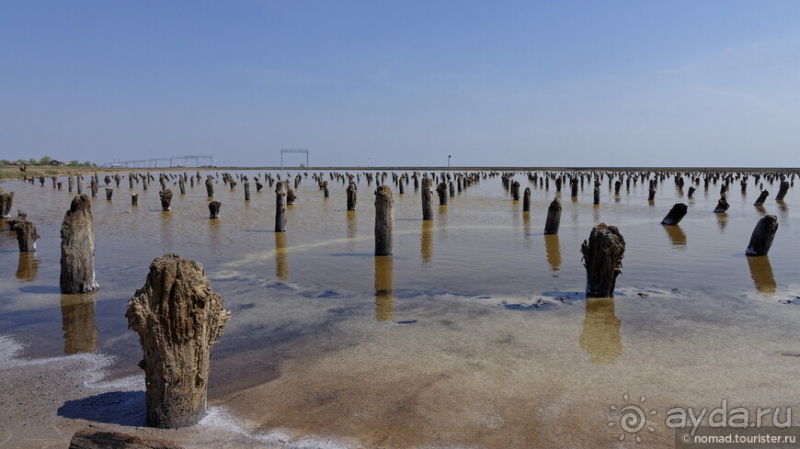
475 333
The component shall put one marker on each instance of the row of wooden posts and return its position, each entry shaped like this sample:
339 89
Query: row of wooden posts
178 316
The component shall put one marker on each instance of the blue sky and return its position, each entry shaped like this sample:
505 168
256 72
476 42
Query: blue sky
402 83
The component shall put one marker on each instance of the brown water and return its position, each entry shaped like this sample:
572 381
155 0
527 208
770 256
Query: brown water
475 333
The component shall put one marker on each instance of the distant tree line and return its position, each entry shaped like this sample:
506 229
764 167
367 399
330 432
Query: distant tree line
46 160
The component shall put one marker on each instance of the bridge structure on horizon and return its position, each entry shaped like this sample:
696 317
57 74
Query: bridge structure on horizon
153 162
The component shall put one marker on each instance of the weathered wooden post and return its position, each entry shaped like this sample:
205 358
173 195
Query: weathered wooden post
352 192
596 193
26 235
280 207
290 196
70 183
761 198
617 186
182 185
763 234
515 190
782 191
117 179
109 193
452 189
602 256
247 190
213 209
652 194
77 248
722 206
178 317
327 193
210 187
93 186
401 187
441 190
166 199
691 192
384 219
6 200
558 184
574 186
526 200
553 217
79 184
427 199
675 214
134 199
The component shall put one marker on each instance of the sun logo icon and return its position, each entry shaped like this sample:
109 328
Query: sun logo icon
632 419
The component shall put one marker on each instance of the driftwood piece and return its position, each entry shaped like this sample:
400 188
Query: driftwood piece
602 257
384 220
675 214
77 248
91 438
166 199
280 207
722 206
213 209
178 317
553 217
26 235
762 237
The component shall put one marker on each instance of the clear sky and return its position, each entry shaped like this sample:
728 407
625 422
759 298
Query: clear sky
402 83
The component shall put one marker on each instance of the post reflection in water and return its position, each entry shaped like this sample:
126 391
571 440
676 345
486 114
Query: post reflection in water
214 235
722 221
384 286
426 242
78 322
676 236
526 228
281 258
761 272
553 250
166 232
28 266
600 334
352 225
442 218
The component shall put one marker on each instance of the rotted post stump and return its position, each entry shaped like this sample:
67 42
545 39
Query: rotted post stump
651 195
247 190
441 190
761 198
427 199
290 196
384 219
452 189
259 186
352 196
178 317
784 188
71 184
526 200
762 237
134 199
93 186
109 193
574 187
553 217
26 235
515 190
280 207
675 214
166 199
182 185
722 206
596 199
210 187
77 248
690 194
327 192
213 209
602 257
6 200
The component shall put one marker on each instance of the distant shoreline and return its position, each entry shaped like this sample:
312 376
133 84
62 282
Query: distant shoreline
12 172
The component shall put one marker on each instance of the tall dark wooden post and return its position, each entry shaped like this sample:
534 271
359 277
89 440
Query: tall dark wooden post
553 217
675 214
602 256
762 237
77 248
384 219
427 199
